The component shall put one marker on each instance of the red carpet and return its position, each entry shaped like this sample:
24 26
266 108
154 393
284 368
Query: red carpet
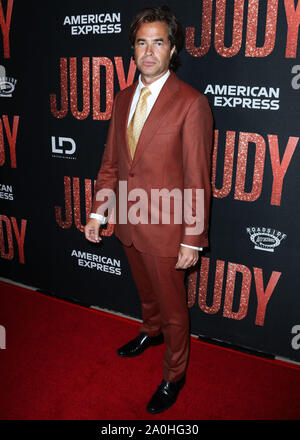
60 364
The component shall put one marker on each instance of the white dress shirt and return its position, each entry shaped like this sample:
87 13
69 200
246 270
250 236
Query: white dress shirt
155 89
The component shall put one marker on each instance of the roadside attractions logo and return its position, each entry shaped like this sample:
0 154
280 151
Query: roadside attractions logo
102 23
265 239
7 84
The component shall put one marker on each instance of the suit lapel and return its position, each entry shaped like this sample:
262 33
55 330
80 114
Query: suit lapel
156 117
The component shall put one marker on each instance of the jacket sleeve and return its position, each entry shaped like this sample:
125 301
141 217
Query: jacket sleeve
107 178
197 138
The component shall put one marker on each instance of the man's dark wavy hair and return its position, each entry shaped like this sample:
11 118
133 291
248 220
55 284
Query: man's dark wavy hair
160 13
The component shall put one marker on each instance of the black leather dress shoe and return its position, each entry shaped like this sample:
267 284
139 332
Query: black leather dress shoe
139 344
165 396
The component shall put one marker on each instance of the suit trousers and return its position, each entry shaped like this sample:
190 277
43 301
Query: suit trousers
164 307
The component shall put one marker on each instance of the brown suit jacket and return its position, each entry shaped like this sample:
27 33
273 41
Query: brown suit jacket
173 152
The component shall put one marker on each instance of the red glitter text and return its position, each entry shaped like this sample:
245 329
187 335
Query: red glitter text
251 49
72 210
11 136
91 89
257 141
5 26
234 297
11 234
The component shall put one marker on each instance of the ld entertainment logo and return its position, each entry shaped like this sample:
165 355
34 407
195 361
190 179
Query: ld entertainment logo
2 337
265 239
7 84
63 147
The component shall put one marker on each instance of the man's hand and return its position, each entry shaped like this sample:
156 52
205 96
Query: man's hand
91 231
187 257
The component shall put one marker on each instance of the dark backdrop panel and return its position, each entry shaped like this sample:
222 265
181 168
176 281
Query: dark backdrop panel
246 288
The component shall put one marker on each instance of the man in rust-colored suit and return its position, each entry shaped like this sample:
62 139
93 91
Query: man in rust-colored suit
160 139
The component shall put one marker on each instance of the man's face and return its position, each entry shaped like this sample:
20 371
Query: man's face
152 51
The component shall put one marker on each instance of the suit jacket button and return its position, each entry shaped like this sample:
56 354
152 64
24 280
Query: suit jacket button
131 174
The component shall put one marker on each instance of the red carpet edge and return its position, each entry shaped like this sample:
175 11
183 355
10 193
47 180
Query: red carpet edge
286 363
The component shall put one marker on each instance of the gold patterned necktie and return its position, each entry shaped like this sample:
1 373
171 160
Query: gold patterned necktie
137 121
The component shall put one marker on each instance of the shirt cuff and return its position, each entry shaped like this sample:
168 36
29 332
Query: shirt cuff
192 247
99 217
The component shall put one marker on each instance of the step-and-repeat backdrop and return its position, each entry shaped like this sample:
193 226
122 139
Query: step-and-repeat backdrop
62 63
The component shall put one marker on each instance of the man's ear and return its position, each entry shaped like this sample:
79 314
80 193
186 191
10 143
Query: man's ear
172 51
